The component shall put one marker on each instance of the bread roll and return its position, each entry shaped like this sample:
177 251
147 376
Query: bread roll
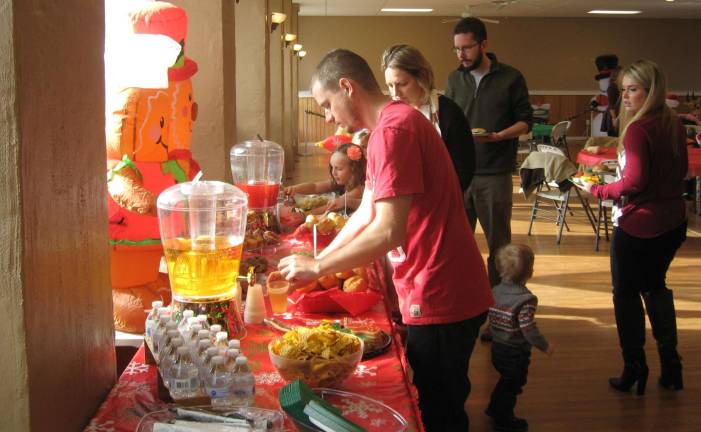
355 284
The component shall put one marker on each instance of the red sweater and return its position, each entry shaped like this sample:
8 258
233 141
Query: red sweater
652 179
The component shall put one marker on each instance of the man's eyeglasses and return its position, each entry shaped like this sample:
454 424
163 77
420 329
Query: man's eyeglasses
464 48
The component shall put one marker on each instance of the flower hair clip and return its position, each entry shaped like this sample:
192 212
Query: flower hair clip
354 153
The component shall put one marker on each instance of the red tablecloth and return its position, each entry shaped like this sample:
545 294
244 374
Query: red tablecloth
590 159
382 378
608 153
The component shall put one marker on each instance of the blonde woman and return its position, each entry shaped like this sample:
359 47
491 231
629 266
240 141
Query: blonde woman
649 224
409 77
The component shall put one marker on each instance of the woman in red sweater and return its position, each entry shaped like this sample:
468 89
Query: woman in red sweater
649 224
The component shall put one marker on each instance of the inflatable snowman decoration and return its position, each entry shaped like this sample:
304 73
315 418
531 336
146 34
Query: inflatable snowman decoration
605 64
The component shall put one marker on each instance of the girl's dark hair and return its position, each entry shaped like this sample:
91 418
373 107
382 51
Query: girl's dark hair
357 167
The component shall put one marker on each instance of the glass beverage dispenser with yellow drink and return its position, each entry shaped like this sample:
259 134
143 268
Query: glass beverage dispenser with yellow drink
202 229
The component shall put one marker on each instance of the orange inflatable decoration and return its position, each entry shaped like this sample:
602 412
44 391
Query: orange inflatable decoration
148 149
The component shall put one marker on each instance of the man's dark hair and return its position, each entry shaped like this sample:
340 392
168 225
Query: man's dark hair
472 25
343 63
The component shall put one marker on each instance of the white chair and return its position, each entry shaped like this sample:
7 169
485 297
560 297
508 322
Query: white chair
558 136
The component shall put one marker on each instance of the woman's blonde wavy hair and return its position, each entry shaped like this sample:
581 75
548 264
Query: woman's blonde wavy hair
648 75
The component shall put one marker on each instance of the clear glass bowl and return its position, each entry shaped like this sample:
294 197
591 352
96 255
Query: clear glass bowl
366 412
316 372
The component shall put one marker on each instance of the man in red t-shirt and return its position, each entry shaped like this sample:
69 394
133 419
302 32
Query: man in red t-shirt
411 208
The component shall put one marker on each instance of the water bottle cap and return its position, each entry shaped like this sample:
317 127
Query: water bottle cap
216 328
196 328
203 334
218 360
171 325
235 343
157 304
202 317
205 343
241 360
177 342
163 310
182 350
173 333
233 353
212 351
187 313
222 335
164 316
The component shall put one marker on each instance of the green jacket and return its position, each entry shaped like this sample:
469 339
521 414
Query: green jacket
500 101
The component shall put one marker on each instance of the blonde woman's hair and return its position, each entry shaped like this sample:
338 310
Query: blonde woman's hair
411 61
648 75
515 263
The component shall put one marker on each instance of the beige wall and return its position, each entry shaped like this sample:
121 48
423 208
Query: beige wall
210 43
553 54
57 337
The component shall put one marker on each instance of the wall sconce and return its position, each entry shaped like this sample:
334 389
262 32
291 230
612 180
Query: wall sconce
296 48
277 18
301 54
289 38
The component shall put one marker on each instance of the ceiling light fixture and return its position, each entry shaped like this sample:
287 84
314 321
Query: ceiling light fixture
412 10
614 12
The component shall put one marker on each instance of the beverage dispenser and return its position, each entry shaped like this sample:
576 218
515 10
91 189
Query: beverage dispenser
202 229
257 166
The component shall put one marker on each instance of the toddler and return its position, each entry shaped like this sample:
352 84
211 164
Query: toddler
514 331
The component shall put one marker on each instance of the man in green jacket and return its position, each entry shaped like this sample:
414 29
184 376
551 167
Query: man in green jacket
494 97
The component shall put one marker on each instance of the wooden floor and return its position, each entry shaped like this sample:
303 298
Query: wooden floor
569 391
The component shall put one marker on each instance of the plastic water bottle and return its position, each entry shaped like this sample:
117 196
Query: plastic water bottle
204 334
185 380
218 383
244 383
168 359
191 340
152 318
160 330
165 347
185 322
206 361
221 340
213 330
235 344
202 346
231 355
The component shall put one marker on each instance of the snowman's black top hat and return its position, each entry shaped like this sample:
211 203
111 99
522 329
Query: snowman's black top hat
605 63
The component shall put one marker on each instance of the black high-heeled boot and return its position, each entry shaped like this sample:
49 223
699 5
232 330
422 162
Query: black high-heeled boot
671 373
632 373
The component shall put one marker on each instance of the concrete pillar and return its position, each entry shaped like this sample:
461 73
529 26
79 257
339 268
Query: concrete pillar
56 304
211 43
252 70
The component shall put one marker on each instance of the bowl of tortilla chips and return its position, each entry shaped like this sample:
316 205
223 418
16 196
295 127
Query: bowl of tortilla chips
320 356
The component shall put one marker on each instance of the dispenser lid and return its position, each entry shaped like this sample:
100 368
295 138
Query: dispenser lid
201 195
257 147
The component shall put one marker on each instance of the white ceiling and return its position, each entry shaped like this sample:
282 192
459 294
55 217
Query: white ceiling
689 9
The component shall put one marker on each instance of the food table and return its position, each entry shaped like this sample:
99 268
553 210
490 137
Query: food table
382 378
607 153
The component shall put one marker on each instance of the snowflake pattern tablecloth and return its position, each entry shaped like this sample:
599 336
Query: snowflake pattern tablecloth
382 378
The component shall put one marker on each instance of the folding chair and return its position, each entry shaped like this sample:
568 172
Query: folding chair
602 213
558 136
551 202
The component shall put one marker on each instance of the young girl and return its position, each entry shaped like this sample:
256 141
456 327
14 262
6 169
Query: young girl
347 169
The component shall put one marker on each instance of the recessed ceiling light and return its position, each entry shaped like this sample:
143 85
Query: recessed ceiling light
417 10
669 1
614 12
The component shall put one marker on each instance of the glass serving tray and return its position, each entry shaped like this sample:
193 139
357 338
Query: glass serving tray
258 419
366 412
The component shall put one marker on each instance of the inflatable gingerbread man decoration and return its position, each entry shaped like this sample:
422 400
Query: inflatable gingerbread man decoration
149 132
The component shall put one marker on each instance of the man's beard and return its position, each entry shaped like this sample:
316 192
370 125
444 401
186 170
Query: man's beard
477 63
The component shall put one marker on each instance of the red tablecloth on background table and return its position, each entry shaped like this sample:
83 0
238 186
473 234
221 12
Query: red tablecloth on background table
608 153
382 378
590 159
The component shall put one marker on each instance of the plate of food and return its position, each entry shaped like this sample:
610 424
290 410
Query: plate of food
479 132
308 202
590 179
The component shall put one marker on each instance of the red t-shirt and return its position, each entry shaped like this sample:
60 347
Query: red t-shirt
439 273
